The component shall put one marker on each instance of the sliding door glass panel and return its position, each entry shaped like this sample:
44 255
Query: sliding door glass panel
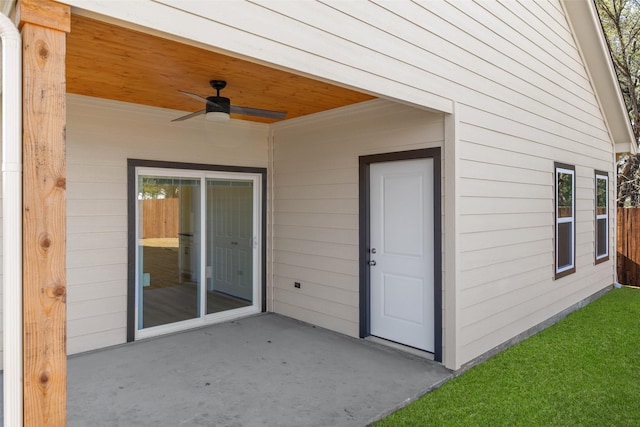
229 223
168 250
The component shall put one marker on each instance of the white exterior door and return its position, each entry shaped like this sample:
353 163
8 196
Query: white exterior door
401 252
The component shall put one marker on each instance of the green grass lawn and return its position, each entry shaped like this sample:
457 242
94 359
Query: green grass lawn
582 371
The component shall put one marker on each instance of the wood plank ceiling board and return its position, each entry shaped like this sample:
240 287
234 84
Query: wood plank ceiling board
113 62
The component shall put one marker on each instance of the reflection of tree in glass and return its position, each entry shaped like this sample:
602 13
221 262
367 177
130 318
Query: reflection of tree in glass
565 194
601 196
159 188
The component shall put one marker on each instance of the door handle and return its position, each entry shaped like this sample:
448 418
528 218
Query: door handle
372 262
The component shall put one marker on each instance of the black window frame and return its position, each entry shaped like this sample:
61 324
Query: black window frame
599 217
559 225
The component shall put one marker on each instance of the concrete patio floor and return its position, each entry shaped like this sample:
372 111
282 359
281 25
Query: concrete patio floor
265 370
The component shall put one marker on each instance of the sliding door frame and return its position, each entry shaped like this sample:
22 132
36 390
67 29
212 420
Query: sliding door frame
132 167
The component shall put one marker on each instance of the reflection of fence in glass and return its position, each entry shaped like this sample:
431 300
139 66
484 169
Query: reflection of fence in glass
161 218
628 238
564 212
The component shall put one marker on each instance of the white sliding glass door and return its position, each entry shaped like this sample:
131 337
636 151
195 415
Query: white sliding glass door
229 242
198 248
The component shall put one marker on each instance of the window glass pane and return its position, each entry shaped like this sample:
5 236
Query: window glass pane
601 196
565 250
601 240
229 244
565 195
168 250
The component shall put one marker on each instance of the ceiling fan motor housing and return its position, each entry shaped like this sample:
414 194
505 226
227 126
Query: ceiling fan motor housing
218 104
218 108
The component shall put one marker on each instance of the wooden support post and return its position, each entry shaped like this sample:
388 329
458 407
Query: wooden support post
44 25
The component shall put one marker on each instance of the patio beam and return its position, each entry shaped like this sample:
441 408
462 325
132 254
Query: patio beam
44 25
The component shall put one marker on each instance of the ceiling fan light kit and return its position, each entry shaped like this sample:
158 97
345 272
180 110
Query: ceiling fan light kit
218 108
217 116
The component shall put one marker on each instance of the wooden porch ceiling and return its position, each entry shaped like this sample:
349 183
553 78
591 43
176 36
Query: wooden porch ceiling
112 62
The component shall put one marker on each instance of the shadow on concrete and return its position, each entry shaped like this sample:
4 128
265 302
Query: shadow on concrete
265 370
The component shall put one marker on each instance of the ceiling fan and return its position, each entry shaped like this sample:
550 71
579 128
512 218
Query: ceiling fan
218 108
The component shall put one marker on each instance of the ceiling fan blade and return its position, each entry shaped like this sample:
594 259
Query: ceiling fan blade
193 95
188 116
247 111
223 104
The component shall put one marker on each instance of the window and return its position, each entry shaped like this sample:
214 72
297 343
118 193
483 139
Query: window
565 189
602 216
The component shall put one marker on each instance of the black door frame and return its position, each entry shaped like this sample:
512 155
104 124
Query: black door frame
365 244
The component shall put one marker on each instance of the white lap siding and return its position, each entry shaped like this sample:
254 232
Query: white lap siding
506 187
316 222
515 78
101 136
